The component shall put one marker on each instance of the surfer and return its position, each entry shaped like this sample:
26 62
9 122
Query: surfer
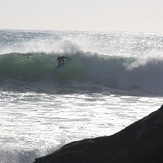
61 60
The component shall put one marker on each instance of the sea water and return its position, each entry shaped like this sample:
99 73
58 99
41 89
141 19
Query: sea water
113 80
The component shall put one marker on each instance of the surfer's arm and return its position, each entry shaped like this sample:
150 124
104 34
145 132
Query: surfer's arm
68 58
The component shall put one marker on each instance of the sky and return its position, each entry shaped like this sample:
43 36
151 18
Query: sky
83 15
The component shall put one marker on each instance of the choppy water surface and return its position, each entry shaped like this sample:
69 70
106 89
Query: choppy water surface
33 124
113 80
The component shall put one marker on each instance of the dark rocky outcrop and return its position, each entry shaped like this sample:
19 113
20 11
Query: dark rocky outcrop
141 142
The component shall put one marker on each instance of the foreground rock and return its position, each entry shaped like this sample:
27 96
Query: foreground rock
141 142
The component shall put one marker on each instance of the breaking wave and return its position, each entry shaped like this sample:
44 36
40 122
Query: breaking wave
112 72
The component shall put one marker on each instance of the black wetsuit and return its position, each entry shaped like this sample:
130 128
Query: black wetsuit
61 60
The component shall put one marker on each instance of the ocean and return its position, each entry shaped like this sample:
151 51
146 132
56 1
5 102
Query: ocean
113 80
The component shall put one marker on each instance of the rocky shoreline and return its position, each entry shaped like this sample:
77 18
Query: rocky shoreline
140 142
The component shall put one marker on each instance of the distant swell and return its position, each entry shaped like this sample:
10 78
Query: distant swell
112 72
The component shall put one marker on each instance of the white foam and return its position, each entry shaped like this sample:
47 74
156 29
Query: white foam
35 124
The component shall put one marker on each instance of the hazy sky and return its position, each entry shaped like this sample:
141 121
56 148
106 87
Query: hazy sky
88 15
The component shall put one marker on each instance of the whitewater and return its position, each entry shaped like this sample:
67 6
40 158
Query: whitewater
113 80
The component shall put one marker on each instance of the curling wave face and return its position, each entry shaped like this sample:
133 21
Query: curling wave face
114 61
112 72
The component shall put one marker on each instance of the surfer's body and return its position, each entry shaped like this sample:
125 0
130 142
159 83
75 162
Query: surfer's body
61 60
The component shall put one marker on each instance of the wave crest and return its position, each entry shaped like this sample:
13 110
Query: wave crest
108 71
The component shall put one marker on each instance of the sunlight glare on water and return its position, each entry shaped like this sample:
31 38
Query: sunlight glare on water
48 120
113 80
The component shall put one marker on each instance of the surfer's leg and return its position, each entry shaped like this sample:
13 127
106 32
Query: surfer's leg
63 61
59 61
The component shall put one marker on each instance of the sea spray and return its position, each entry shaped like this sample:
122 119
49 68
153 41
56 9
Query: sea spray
109 71
113 80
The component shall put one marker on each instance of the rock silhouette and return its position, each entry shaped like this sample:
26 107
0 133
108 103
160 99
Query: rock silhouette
141 142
